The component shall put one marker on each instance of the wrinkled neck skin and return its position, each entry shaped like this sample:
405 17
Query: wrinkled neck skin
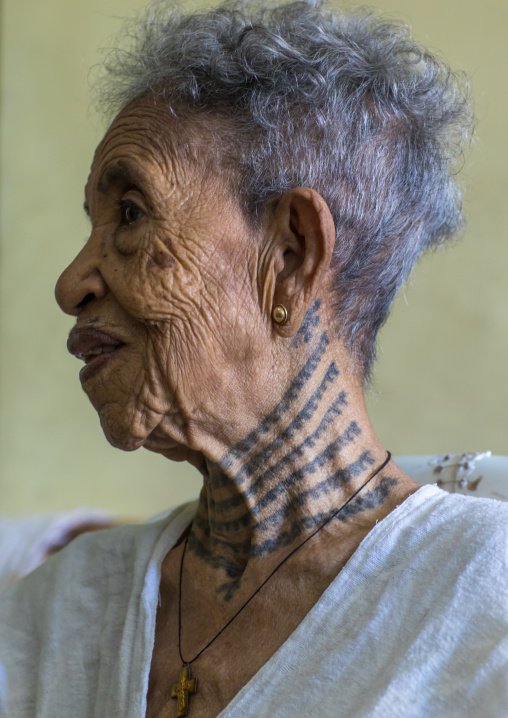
294 469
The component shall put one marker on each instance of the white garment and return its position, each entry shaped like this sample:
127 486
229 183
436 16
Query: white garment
414 626
25 541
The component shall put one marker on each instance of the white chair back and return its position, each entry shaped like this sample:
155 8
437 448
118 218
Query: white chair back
479 474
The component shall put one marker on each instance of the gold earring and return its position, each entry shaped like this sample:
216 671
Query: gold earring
279 314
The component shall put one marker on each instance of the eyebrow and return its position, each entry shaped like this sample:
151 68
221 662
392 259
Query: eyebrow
123 174
120 173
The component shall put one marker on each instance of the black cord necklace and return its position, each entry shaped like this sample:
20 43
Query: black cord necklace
186 685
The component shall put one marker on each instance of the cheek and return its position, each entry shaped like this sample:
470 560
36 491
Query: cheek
140 273
158 252
166 299
126 242
160 256
195 308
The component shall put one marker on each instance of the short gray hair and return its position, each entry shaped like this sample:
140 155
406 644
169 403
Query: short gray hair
344 102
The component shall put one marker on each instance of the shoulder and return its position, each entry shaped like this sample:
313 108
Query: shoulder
475 533
96 562
458 542
472 522
89 570
82 599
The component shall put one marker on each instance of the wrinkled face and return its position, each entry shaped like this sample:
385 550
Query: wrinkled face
164 291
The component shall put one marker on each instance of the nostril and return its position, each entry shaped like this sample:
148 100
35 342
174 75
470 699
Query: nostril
86 300
79 284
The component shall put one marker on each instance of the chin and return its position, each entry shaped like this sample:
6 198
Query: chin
125 442
121 436
177 453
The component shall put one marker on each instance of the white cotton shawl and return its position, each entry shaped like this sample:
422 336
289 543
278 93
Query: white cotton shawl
25 540
414 626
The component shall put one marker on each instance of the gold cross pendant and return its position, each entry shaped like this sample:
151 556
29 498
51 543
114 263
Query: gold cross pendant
182 689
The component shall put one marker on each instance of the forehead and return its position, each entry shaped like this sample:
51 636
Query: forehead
169 161
139 148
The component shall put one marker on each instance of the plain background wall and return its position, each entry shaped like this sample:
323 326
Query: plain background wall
439 385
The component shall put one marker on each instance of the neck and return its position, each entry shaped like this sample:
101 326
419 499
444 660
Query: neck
300 464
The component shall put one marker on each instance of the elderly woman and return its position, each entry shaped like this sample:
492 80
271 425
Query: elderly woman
267 184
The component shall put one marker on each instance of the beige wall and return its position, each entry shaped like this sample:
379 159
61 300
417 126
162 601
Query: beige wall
440 384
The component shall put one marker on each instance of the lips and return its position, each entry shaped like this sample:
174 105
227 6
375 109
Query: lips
96 348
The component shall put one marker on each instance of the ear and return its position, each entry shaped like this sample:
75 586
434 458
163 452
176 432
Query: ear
301 255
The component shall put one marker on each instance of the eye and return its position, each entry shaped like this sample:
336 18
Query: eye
129 212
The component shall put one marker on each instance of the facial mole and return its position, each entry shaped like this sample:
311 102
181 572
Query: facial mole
162 259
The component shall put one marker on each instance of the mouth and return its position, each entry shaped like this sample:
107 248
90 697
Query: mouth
96 348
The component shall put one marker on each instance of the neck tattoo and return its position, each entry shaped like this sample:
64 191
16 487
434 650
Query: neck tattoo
262 495
185 685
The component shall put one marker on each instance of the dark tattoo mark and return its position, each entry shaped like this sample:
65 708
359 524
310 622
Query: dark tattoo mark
223 526
231 568
371 500
310 322
242 550
221 507
292 394
342 476
334 410
229 589
260 459
308 411
275 477
329 453
336 480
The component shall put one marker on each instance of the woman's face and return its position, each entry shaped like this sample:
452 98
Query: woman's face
166 287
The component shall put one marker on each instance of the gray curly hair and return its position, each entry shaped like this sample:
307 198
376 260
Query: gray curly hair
344 102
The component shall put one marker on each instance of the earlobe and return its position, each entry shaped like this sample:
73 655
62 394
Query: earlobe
279 314
305 237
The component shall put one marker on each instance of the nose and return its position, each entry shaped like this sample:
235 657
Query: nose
80 283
